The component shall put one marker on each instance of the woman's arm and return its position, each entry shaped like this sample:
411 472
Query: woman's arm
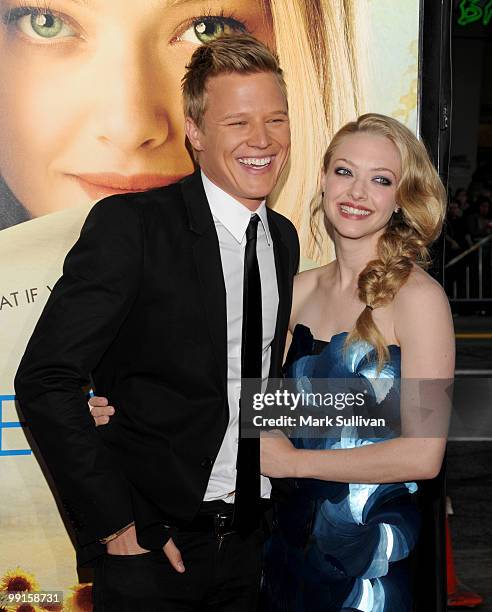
423 326
397 460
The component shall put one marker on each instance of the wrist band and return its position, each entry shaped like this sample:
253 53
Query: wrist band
113 536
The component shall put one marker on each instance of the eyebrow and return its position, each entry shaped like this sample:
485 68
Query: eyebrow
88 3
172 3
238 115
165 3
351 163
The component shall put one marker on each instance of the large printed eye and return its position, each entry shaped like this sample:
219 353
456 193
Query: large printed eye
38 23
205 29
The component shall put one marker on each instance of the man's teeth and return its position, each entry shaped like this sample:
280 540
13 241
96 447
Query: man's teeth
349 210
258 162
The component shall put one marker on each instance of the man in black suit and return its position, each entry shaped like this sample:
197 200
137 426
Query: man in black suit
167 300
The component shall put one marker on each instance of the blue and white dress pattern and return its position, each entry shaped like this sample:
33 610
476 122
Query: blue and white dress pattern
338 546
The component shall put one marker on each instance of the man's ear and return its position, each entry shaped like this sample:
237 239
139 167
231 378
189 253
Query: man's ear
194 134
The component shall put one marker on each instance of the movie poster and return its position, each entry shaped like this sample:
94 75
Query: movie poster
90 106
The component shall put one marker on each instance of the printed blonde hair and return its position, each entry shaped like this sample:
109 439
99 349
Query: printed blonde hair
421 199
239 53
321 49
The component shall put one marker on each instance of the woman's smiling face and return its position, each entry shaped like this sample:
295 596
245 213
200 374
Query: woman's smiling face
360 185
90 92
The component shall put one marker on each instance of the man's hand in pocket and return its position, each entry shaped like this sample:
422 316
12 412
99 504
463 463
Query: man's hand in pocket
100 410
126 544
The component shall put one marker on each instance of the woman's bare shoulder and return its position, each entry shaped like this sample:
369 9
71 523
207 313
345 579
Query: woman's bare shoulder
423 325
305 285
308 281
420 288
421 306
307 277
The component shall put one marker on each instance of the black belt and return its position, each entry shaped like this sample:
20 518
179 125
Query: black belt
213 517
219 524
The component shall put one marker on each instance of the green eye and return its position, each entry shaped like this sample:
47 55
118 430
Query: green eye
38 24
205 29
46 25
208 30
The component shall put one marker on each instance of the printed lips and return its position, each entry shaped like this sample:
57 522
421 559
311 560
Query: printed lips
101 185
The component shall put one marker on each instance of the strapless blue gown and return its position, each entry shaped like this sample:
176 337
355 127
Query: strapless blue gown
338 546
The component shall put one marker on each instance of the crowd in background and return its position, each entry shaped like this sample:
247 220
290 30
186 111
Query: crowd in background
469 220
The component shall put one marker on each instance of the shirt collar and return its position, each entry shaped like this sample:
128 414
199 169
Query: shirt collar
233 215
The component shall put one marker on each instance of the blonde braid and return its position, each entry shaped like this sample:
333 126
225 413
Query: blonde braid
379 282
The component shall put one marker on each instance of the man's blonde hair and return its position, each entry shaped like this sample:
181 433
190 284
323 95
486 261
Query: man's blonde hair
240 53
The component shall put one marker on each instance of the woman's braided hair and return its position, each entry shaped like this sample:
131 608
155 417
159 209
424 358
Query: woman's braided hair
421 199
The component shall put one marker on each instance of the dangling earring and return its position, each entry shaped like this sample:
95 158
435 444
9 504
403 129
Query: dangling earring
397 210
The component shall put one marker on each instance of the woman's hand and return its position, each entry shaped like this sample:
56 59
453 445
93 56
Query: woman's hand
277 455
100 410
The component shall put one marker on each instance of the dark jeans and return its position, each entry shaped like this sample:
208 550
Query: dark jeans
220 576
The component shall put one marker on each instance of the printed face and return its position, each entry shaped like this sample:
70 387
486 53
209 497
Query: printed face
244 140
90 92
360 185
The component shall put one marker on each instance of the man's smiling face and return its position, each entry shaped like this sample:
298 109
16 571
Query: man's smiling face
243 142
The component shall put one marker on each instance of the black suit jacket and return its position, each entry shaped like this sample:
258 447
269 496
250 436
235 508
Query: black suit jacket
140 313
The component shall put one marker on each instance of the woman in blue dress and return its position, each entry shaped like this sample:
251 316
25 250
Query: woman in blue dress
373 316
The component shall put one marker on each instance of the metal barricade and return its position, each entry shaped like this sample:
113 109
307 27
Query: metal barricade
471 273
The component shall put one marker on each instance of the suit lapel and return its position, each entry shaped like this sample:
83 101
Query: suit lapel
206 253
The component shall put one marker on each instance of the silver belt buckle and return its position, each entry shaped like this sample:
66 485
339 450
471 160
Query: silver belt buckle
220 521
219 525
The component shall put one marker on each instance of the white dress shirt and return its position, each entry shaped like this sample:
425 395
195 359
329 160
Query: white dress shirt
231 219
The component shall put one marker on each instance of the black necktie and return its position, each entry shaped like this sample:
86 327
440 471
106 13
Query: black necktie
247 501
